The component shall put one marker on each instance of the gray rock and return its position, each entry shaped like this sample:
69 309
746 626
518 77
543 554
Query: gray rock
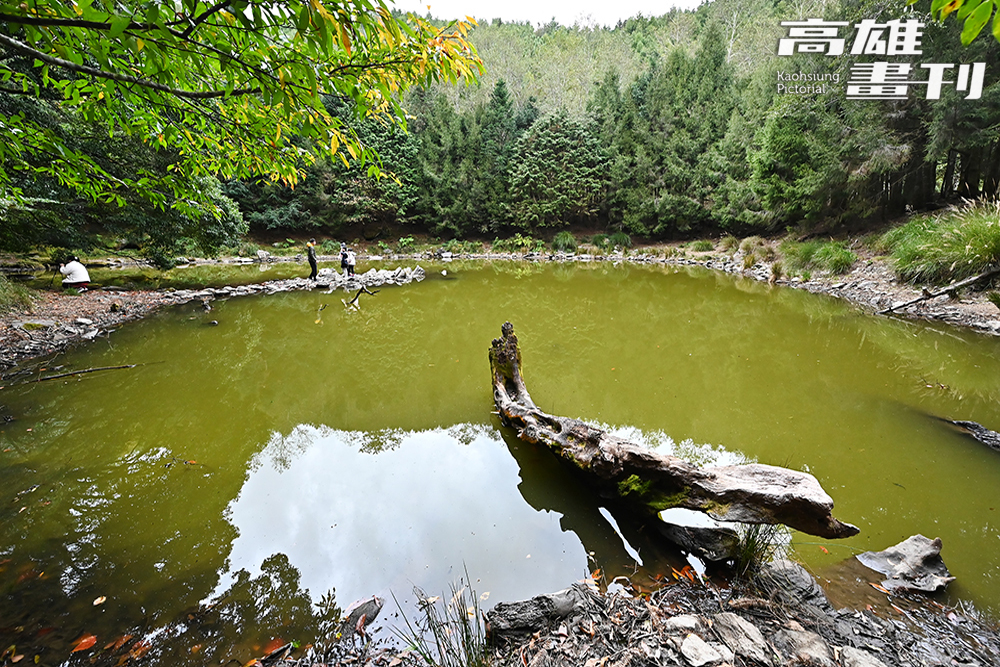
510 619
855 657
913 564
742 637
792 580
698 652
713 543
682 624
801 647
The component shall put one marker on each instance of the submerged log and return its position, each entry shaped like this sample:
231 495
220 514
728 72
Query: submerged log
649 481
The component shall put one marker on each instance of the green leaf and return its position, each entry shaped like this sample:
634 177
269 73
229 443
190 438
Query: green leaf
969 7
118 25
975 23
996 26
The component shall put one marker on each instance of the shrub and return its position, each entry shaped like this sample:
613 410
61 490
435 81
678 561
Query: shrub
729 243
462 247
405 243
601 241
564 241
517 243
620 240
702 245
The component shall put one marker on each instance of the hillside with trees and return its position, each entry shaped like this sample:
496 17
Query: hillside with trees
661 128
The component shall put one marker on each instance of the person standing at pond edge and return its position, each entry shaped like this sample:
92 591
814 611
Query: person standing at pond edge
343 258
351 261
311 250
76 274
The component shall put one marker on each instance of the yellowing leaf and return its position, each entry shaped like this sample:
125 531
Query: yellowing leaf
345 40
100 600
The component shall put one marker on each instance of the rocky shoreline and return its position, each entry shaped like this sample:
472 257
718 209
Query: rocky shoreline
784 618
59 320
780 617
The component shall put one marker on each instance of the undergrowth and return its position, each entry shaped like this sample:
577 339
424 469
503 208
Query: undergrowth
945 247
14 296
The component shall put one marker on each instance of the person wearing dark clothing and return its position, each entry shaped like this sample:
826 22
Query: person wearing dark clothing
343 258
311 249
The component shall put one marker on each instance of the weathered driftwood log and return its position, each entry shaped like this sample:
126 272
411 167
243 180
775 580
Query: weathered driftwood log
649 481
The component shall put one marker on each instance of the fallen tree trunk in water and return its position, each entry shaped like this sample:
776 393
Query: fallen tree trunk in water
651 482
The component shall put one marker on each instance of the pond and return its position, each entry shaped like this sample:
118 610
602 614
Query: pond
246 482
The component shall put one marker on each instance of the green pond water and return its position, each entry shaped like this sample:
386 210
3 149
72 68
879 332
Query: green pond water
295 458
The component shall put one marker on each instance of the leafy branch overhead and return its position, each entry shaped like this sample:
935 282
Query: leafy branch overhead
975 13
236 88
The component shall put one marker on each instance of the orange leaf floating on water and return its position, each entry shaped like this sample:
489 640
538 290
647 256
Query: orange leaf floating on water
140 649
274 645
118 643
83 643
596 574
878 588
100 600
824 550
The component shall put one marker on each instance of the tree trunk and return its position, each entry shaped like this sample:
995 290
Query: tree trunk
968 186
991 179
648 481
948 182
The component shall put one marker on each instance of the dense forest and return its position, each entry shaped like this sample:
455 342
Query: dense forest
661 128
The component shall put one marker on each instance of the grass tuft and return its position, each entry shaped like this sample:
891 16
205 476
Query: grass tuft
564 241
701 245
832 256
942 248
450 633
759 545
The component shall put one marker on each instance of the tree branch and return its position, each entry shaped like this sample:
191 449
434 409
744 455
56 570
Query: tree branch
947 290
198 20
125 78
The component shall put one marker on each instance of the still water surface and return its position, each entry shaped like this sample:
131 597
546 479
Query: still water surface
296 456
